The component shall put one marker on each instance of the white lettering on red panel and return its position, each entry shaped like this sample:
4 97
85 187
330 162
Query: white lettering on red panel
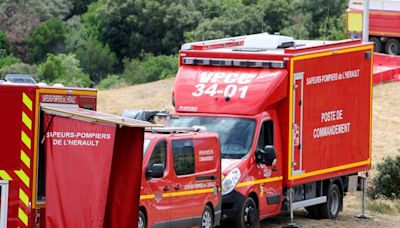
50 98
76 138
234 84
335 129
333 77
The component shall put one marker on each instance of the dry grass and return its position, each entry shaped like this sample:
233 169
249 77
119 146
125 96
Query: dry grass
151 96
385 142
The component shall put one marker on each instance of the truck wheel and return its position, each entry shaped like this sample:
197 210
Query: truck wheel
377 43
392 46
331 208
313 212
142 220
249 216
207 219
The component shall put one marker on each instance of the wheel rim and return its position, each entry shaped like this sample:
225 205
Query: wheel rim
334 202
393 50
249 215
141 222
206 220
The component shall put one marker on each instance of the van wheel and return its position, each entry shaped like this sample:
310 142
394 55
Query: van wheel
392 46
207 219
249 216
331 208
142 220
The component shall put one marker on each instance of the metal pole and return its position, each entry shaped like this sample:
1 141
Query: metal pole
364 186
364 191
291 204
366 21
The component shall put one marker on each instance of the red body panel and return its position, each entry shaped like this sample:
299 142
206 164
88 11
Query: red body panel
174 198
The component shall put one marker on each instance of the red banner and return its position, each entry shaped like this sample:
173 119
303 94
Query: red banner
78 167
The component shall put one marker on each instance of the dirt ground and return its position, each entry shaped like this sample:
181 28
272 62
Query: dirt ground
385 142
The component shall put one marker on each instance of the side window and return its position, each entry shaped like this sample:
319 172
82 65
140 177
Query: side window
159 154
183 153
266 134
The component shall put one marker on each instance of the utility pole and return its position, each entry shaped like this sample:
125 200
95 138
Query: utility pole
365 34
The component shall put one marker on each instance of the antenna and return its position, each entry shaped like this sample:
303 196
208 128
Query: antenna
204 12
326 26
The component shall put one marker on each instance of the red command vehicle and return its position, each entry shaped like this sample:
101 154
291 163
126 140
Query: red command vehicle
181 179
51 147
293 118
384 23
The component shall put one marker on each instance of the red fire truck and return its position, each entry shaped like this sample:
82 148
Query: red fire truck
181 179
384 23
293 118
52 145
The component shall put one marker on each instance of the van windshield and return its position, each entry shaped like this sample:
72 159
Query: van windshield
235 134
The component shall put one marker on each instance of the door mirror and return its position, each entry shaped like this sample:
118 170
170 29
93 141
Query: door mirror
155 171
266 156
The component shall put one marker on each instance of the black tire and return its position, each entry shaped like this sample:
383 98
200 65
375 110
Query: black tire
142 222
207 218
392 46
378 46
249 216
313 212
330 209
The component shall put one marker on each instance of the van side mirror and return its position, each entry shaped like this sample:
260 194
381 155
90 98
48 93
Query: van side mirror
155 171
266 156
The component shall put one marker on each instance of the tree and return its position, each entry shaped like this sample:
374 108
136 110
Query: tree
135 26
233 22
64 69
18 21
48 37
96 58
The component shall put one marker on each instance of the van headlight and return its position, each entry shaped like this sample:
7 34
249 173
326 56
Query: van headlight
230 181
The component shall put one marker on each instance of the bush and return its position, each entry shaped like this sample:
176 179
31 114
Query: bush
152 68
4 44
8 61
19 68
112 81
386 182
48 37
64 69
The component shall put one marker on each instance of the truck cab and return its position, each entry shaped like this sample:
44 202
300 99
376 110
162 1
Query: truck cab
181 179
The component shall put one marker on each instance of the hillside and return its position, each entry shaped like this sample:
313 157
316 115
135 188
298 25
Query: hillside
385 141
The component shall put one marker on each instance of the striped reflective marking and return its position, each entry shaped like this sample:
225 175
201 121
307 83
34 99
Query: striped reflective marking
259 181
4 175
181 193
23 197
25 139
27 121
191 192
22 216
27 101
25 159
145 197
24 178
